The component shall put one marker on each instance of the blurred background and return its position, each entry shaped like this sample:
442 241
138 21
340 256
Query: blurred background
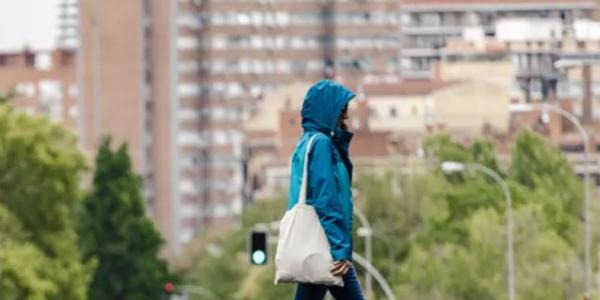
144 145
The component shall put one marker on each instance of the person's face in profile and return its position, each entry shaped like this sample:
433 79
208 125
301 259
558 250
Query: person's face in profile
343 118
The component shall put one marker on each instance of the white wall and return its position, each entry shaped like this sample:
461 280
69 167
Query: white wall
587 30
410 113
517 29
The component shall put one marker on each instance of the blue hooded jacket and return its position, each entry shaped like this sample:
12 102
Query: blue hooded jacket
329 166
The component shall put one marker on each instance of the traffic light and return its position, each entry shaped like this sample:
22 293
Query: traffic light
258 248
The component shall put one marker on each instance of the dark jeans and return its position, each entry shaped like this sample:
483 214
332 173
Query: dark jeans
350 291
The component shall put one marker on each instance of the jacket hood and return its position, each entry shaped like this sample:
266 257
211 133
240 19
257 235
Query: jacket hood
323 105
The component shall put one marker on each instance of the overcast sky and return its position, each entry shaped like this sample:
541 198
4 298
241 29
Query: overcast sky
28 22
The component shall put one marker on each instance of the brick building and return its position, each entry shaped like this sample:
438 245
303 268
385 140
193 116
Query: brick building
43 82
176 80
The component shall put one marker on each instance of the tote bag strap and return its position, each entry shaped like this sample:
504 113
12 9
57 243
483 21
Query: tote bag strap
304 185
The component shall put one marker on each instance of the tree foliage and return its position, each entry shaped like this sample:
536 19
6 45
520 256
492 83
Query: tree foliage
461 254
115 231
223 264
40 170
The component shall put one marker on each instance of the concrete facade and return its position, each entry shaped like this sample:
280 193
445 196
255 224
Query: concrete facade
426 26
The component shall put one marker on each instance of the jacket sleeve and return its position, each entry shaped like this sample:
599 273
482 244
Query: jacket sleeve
322 192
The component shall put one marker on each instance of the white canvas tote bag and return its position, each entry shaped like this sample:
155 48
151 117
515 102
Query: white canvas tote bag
302 248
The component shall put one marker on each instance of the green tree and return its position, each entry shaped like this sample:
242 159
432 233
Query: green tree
541 168
461 252
223 265
23 265
115 231
441 236
40 170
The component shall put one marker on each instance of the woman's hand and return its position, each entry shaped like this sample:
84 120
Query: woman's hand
340 268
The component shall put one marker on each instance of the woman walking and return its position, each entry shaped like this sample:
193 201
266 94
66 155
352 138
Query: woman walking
324 112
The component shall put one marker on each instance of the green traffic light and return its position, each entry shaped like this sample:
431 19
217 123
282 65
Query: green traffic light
259 257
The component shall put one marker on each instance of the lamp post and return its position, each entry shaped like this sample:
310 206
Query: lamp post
527 107
453 167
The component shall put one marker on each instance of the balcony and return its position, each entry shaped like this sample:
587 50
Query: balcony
420 52
438 29
416 74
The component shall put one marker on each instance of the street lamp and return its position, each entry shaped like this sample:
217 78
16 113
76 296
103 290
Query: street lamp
452 167
527 107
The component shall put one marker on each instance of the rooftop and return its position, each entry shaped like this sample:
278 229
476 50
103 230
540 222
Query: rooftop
46 59
496 4
405 88
492 2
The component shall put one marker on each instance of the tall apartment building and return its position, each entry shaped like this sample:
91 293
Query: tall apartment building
126 78
426 25
176 80
68 27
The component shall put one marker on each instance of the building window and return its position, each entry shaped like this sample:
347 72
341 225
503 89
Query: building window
298 66
189 114
233 66
43 61
26 89
282 18
393 112
243 19
284 66
189 20
430 19
190 138
189 90
572 148
257 18
219 42
185 43
372 113
73 112
188 67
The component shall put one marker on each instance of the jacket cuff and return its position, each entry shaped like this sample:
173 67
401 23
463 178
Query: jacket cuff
341 254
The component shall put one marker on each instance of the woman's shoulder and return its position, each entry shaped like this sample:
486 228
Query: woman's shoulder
322 141
320 137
